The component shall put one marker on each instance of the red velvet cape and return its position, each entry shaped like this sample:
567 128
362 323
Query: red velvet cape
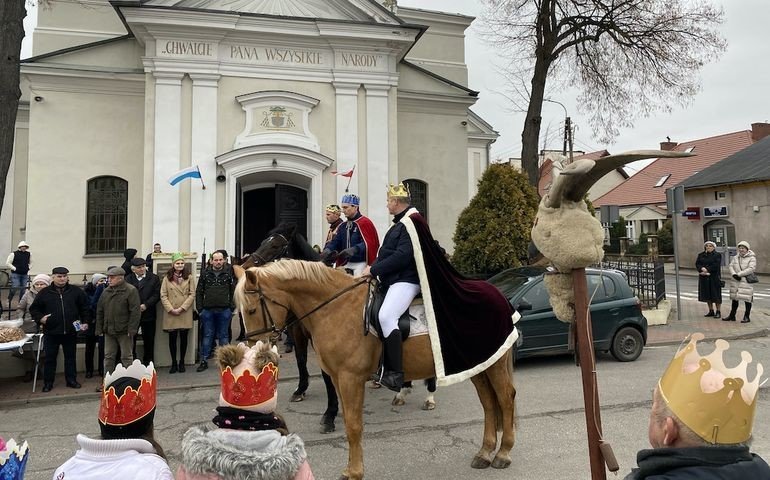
369 234
471 323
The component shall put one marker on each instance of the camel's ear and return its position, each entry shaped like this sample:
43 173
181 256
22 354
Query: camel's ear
238 271
251 278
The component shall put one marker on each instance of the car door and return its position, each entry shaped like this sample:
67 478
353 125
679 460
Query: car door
542 331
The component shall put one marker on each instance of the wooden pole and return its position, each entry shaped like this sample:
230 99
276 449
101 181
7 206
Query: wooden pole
585 349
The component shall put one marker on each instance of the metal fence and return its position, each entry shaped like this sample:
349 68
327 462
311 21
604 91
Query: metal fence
646 276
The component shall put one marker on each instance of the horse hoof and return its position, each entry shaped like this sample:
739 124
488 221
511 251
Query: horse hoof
500 462
428 405
398 401
479 462
327 428
297 397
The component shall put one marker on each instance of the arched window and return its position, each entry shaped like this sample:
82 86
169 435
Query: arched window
107 217
419 193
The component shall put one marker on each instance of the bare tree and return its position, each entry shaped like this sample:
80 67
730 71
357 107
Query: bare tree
12 13
626 57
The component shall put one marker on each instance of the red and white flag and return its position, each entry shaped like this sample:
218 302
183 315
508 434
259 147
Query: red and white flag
348 174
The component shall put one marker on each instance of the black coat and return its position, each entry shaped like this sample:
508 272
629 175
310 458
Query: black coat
395 260
709 288
65 306
149 294
699 463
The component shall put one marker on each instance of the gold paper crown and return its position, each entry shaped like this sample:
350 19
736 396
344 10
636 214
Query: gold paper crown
399 190
714 401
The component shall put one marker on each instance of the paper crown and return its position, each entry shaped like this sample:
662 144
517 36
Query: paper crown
399 190
351 199
713 400
249 377
13 459
132 405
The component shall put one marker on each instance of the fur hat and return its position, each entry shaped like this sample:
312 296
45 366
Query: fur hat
249 377
176 256
13 459
351 199
744 244
41 277
128 402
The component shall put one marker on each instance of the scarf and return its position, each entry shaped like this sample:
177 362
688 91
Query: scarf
237 419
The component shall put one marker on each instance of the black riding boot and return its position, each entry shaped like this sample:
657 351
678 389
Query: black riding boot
393 376
733 309
747 315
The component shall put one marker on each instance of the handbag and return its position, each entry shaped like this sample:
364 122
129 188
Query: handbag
752 278
722 284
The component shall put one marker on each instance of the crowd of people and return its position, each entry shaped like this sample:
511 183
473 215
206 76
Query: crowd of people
687 430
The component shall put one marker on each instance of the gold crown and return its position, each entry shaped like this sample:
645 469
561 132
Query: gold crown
713 400
399 190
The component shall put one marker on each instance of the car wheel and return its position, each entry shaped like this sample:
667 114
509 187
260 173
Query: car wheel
627 344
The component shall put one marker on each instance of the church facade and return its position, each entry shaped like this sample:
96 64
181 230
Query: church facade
265 99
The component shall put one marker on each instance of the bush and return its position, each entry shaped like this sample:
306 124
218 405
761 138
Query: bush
617 230
493 232
666 238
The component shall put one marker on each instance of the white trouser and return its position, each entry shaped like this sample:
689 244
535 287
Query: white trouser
357 267
397 300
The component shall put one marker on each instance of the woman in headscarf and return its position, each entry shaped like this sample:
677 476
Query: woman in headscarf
709 266
741 266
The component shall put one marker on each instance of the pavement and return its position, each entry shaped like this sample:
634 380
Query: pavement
13 391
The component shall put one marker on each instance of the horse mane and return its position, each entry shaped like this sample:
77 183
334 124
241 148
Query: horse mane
288 270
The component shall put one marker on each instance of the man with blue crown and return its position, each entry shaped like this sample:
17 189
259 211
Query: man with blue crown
356 243
470 323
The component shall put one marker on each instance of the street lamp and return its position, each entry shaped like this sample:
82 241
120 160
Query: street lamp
567 129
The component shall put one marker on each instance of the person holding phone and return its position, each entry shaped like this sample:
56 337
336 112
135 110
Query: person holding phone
61 310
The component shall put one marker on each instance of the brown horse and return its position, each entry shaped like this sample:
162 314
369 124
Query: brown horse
267 294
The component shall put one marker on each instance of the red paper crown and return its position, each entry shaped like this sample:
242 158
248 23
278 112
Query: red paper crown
132 405
247 390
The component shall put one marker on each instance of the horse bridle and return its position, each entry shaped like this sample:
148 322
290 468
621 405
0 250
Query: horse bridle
263 299
256 256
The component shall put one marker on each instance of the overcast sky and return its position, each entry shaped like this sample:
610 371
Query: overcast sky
735 89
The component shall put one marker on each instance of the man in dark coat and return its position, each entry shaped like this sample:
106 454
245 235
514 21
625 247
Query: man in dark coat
148 286
215 304
709 267
356 243
117 318
701 420
61 310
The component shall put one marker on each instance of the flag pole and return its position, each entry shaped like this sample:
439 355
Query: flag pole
203 185
350 179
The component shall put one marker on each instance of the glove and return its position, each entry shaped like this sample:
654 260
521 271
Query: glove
328 256
737 277
347 253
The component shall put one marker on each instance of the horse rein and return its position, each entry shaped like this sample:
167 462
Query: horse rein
263 299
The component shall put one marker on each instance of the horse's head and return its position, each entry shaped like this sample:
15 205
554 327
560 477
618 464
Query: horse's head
271 248
263 307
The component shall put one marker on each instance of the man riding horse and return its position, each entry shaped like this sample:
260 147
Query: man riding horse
356 243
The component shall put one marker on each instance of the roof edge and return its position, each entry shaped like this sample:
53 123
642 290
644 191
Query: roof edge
76 48
470 92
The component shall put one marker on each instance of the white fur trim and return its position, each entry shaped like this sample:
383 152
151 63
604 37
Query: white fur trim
435 343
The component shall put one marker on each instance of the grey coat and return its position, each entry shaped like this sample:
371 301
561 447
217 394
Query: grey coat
742 266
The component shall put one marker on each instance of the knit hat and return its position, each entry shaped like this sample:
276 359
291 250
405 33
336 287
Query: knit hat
351 199
249 377
96 277
41 277
744 244
128 402
13 459
176 256
709 243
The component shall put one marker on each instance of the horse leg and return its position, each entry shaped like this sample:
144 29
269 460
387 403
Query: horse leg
300 352
351 390
488 402
400 398
430 402
332 405
500 376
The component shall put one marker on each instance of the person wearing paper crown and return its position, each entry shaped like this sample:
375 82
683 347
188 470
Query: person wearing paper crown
356 243
462 312
252 441
701 420
127 448
13 459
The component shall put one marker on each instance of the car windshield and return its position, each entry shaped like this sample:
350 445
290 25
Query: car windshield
510 280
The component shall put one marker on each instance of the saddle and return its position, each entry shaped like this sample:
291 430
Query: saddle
372 310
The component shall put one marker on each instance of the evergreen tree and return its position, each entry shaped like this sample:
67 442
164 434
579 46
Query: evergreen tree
493 232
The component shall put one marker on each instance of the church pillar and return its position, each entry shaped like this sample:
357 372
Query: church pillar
203 150
347 137
167 148
377 156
